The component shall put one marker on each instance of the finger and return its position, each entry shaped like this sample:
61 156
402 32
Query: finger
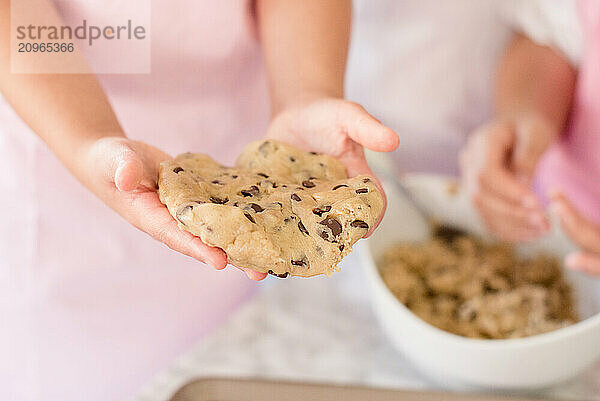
251 274
109 155
129 173
497 141
506 230
148 214
505 185
254 275
355 161
532 140
585 262
511 214
366 130
579 229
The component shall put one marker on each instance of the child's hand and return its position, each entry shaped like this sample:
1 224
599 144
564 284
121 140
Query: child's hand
497 165
336 127
584 233
123 173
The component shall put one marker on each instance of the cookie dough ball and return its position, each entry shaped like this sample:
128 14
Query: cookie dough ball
280 210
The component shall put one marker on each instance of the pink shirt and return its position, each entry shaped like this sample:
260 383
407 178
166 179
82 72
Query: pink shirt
90 307
573 165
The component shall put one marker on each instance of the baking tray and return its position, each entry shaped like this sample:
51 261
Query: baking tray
222 389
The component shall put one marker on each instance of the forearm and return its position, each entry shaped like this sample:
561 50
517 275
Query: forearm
305 45
534 80
67 111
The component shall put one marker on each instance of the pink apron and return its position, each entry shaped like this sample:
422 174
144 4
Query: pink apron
573 165
90 307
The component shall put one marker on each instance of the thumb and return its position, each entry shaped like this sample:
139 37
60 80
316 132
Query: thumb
117 162
129 172
532 140
366 130
498 141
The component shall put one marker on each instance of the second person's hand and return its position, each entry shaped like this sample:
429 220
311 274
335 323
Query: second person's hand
583 233
497 167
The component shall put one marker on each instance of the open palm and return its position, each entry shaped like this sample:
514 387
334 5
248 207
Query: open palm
124 175
336 127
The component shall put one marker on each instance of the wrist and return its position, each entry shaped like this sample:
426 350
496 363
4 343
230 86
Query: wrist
303 98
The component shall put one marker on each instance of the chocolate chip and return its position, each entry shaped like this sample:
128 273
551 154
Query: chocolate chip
333 224
286 220
256 208
339 186
313 153
365 180
234 176
341 247
276 205
321 164
292 159
295 197
236 204
262 175
320 210
284 186
220 201
334 229
303 229
182 211
308 184
250 217
253 190
282 275
447 233
487 288
301 262
273 184
359 224
263 148
216 182
177 170
362 190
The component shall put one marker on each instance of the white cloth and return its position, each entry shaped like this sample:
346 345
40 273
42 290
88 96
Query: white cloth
552 23
426 67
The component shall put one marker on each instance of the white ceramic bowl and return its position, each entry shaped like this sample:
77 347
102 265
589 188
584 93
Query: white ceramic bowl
455 361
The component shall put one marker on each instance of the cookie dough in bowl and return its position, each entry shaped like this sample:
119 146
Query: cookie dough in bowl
280 210
459 362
